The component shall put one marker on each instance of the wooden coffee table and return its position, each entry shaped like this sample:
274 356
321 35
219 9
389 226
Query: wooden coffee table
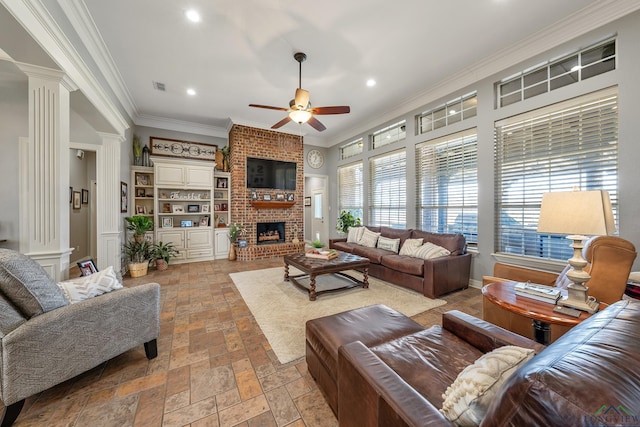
313 267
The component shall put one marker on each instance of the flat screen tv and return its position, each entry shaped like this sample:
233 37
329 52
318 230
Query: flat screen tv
276 174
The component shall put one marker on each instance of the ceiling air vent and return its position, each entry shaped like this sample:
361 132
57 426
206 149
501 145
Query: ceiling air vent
159 86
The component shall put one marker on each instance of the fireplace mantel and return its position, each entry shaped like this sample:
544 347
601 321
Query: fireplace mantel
272 204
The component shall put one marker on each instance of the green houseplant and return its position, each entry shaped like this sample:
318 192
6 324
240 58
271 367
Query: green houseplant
346 220
163 252
139 224
138 254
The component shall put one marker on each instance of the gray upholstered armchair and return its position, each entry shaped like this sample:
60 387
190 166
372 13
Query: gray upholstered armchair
45 340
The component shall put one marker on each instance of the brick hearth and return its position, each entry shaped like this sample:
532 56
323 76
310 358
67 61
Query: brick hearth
266 144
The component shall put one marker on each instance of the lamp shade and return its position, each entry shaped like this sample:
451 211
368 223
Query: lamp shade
576 212
300 116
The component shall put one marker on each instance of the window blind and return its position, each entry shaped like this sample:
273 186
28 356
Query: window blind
388 190
447 187
350 183
569 145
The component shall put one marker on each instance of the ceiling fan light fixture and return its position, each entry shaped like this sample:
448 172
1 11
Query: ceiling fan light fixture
300 116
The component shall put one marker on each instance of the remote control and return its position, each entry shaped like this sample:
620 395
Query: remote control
567 310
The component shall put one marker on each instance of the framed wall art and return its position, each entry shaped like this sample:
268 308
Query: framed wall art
85 197
124 196
182 149
76 200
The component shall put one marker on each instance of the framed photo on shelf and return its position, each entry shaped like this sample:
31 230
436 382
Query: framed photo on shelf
216 207
85 197
142 179
76 200
218 195
186 223
266 197
124 195
140 192
141 210
291 197
87 268
224 207
279 197
221 182
205 208
307 201
167 222
193 208
177 209
166 208
254 195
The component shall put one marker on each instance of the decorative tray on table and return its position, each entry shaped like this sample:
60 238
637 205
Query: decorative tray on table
321 254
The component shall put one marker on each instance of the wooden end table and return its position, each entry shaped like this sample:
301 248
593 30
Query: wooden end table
313 267
503 295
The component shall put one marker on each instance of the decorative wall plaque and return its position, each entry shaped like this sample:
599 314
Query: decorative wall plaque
182 149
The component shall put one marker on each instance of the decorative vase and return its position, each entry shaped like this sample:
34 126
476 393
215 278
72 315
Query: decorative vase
137 160
161 264
225 164
295 240
232 252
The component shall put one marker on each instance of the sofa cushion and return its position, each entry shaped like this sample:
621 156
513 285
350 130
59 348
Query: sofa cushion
10 317
429 360
404 264
375 255
429 251
395 233
455 243
27 285
95 284
388 244
467 399
369 238
410 245
355 233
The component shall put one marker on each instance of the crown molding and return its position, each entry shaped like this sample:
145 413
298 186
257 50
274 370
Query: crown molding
85 26
588 19
36 20
47 74
180 125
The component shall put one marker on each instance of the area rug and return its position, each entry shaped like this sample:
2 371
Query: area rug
281 309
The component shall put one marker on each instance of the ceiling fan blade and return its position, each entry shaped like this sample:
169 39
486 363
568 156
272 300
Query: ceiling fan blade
281 123
343 109
268 107
302 99
315 123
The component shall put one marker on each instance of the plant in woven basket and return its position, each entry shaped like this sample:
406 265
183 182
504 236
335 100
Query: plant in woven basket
163 252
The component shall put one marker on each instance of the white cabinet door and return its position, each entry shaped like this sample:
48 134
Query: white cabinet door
222 243
199 238
168 174
177 238
199 177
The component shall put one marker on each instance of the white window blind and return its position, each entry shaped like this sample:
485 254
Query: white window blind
350 183
388 190
447 187
558 148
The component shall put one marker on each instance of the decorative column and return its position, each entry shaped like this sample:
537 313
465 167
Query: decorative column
108 193
47 163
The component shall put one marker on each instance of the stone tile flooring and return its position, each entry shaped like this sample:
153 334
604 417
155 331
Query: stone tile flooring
214 365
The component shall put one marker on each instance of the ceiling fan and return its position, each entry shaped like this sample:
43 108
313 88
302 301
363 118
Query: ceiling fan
300 109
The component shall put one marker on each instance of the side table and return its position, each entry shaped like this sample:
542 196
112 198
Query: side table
525 316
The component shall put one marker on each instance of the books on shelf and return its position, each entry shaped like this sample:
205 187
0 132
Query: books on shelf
549 294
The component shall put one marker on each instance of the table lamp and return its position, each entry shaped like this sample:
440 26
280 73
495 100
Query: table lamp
577 213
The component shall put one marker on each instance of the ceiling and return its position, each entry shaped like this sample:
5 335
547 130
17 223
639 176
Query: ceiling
241 52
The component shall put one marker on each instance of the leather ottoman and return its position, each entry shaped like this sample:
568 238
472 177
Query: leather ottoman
370 325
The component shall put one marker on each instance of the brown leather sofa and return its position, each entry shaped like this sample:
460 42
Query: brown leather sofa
610 261
590 374
431 277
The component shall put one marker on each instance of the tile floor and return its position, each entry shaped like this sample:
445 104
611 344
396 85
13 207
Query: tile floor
214 367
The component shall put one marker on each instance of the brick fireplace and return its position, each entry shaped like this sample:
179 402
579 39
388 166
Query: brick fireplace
266 144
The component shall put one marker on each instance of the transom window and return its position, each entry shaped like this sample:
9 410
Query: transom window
388 135
447 187
351 149
350 184
388 190
557 148
453 111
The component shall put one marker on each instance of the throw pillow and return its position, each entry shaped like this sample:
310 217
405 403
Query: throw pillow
429 250
410 245
86 287
27 285
355 233
369 238
466 401
388 244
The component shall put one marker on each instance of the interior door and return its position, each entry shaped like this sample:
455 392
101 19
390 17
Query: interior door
319 230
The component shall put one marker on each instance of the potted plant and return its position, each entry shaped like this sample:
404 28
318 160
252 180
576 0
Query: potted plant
138 254
163 252
139 224
346 220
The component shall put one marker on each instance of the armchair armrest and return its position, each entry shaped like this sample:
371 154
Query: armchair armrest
483 335
372 394
62 343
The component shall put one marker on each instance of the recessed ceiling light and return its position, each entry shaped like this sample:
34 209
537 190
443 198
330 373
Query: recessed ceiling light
192 15
191 92
371 83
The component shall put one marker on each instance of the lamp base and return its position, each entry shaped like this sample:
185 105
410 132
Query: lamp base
578 298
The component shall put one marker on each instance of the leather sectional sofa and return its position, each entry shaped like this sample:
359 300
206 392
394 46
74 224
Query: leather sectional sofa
431 277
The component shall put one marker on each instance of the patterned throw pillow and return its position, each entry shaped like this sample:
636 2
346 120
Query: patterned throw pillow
86 287
410 245
429 250
388 244
355 233
369 238
466 401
